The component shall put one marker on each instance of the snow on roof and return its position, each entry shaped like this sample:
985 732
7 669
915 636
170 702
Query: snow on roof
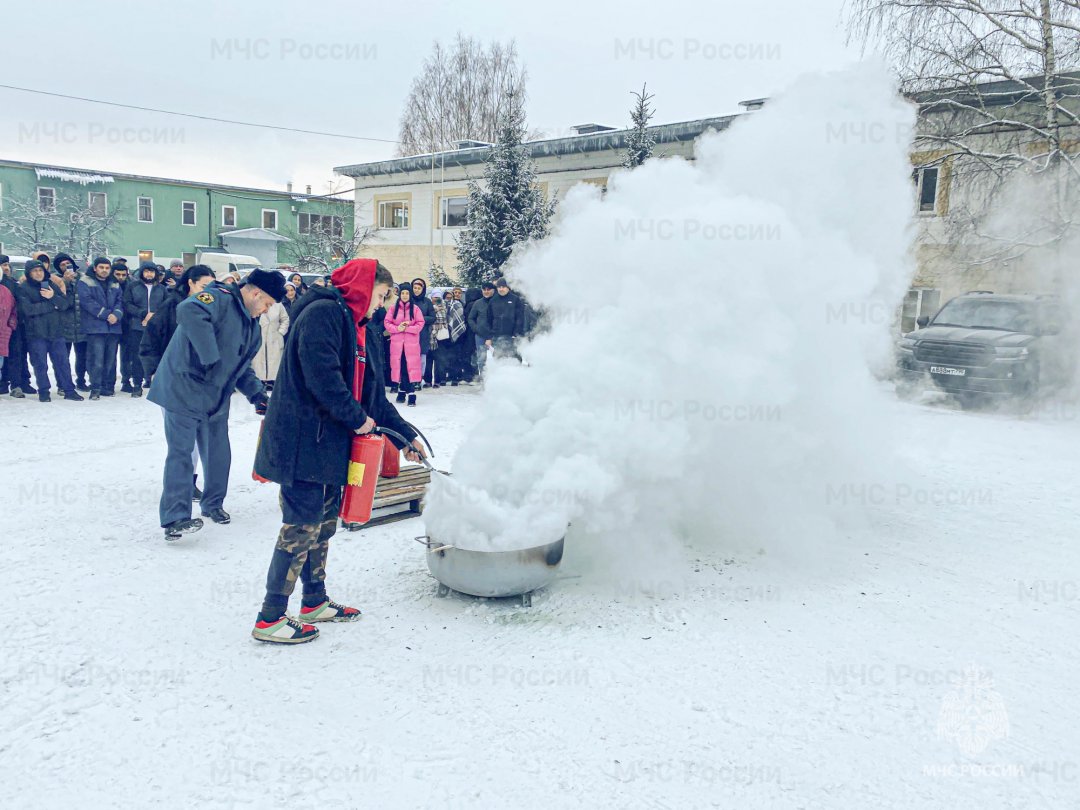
82 178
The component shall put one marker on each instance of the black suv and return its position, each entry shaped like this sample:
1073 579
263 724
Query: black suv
981 345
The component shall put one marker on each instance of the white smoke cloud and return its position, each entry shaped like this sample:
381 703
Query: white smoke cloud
708 370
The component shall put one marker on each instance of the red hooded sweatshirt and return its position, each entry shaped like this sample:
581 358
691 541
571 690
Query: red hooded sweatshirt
355 280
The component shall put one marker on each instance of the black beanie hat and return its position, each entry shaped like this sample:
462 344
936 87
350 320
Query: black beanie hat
4 259
34 264
487 285
270 282
100 260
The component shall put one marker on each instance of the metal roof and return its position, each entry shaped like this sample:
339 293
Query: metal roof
151 179
612 140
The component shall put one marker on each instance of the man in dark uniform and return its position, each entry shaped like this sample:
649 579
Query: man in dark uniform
308 433
209 356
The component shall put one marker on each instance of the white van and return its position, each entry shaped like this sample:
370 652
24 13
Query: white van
224 263
18 264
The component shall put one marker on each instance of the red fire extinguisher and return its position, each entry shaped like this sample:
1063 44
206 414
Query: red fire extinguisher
365 454
391 460
365 463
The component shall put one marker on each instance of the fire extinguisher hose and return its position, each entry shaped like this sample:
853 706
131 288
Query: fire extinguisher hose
393 434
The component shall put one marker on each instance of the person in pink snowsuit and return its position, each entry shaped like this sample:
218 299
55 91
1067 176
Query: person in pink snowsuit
404 322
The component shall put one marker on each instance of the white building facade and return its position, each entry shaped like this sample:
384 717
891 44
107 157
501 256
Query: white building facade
416 206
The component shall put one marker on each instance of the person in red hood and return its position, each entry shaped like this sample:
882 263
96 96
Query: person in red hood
307 435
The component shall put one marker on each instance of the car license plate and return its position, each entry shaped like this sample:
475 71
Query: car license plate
953 372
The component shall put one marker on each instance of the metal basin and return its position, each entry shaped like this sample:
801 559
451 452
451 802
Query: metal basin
493 573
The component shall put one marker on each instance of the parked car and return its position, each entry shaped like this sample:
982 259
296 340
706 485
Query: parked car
982 345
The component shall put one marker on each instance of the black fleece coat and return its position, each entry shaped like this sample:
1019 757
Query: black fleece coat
308 431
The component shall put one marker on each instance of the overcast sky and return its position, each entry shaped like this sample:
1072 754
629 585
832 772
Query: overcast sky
346 67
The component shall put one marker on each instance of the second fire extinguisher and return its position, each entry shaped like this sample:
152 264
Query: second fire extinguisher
391 460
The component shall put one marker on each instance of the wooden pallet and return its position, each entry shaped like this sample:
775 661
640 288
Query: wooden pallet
397 498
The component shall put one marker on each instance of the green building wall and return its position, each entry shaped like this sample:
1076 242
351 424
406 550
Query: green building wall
167 237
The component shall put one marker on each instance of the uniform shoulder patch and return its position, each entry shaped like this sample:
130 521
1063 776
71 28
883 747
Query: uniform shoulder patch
205 297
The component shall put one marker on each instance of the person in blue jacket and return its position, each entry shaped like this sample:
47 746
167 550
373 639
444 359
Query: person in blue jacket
217 336
101 300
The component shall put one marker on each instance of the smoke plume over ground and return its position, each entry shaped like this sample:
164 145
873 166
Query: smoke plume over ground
708 368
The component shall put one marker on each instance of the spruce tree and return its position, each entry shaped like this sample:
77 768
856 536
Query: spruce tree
640 141
510 209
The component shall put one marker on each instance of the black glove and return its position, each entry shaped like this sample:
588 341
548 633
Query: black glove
260 401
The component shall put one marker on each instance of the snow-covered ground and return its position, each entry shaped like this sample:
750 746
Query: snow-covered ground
924 657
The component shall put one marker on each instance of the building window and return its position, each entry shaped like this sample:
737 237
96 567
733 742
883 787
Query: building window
228 216
321 223
146 209
146 255
98 203
926 187
453 212
394 214
187 213
46 200
269 219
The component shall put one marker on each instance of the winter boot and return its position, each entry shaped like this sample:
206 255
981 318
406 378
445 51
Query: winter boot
412 400
174 530
393 388
82 386
95 394
329 611
17 393
285 630
43 396
400 396
218 515
73 396
196 493
127 387
29 389
136 392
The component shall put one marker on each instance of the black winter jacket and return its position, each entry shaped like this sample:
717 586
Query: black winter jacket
507 315
478 317
424 303
158 333
73 331
42 318
137 302
308 431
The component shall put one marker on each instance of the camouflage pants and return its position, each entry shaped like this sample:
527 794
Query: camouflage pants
310 514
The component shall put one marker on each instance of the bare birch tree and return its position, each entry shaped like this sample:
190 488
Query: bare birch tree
67 223
999 96
460 94
326 238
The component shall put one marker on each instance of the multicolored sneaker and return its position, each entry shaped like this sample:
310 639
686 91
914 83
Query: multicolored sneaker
285 630
329 612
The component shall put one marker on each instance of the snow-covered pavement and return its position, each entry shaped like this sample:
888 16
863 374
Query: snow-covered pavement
923 658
